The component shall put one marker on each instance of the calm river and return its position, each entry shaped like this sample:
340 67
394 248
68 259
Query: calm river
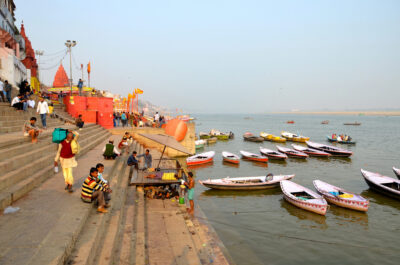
262 228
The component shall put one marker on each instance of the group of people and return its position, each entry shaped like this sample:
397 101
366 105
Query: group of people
341 137
128 119
159 120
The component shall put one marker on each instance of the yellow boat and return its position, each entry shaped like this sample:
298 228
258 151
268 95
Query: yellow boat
294 137
273 138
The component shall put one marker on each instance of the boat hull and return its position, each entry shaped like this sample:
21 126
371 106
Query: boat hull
199 162
262 160
396 172
381 190
222 137
205 136
233 161
353 205
315 208
242 187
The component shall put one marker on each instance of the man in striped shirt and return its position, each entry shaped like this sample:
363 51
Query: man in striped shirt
93 188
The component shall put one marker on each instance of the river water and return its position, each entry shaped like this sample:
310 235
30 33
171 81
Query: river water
262 228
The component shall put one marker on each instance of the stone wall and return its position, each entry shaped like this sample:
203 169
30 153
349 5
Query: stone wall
187 142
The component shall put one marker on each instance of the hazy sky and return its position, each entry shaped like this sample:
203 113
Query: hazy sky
228 56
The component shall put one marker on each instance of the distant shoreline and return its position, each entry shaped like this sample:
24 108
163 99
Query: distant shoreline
356 113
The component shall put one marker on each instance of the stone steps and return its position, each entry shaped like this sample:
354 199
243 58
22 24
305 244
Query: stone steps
51 219
18 126
14 184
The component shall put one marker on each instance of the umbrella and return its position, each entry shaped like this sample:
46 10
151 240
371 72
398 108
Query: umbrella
167 141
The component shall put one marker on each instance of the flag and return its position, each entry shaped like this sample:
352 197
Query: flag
138 91
129 96
88 68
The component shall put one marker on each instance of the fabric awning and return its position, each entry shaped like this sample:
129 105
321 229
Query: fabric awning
167 141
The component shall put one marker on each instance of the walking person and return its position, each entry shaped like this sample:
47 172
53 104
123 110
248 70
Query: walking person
2 90
67 159
95 189
123 119
43 109
80 86
118 118
190 193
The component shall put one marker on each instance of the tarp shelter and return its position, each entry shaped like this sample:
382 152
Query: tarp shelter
167 141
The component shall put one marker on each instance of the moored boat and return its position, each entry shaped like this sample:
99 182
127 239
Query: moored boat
383 184
272 154
303 197
325 122
230 157
290 122
310 151
203 135
335 151
273 138
200 158
254 157
200 143
397 172
341 197
212 140
245 183
295 137
291 152
219 135
252 138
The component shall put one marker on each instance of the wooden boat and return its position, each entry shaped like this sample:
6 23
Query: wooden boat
245 183
352 123
341 197
291 152
254 157
271 154
219 135
273 138
251 138
325 122
290 122
200 158
231 158
303 197
200 143
383 184
295 137
310 151
335 151
330 139
204 135
212 140
397 172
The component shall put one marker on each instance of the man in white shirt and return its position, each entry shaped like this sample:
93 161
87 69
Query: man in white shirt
157 117
43 109
2 90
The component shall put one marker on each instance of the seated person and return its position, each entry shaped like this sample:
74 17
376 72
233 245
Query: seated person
30 129
17 103
79 122
132 161
110 151
31 103
93 188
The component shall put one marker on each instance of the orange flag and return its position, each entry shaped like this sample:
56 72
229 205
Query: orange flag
138 91
88 68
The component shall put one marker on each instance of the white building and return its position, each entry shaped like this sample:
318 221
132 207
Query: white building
12 46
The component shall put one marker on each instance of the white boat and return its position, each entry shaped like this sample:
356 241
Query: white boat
333 150
303 197
254 157
200 143
245 183
383 184
200 158
397 172
341 197
291 152
272 154
230 157
310 151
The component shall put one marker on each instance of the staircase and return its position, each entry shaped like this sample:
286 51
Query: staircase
23 165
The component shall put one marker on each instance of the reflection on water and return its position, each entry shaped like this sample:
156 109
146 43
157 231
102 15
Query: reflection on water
344 215
194 167
304 215
230 164
256 163
378 198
